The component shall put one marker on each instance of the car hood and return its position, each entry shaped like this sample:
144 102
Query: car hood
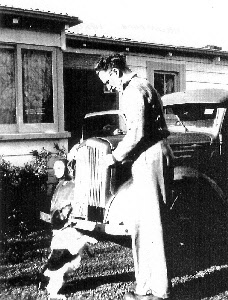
174 138
113 140
189 138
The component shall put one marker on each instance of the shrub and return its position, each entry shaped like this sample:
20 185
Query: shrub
36 169
23 190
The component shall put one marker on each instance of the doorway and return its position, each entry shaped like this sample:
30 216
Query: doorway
83 93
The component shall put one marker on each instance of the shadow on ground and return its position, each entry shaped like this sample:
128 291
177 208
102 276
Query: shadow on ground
207 275
204 287
206 268
94 282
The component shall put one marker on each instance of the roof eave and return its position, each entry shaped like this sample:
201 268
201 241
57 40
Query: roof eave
130 43
37 14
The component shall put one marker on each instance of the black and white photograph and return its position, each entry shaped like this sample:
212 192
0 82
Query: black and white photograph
113 138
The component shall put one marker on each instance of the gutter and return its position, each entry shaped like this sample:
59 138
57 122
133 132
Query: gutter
131 45
38 14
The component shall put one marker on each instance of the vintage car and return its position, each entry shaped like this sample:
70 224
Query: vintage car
93 202
98 196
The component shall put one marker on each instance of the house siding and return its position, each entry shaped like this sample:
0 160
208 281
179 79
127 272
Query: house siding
207 74
29 37
200 73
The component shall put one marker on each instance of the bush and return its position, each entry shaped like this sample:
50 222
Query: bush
23 191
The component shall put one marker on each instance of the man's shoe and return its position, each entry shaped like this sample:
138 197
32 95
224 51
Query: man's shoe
133 296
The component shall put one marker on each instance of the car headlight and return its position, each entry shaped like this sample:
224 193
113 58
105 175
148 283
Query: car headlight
59 168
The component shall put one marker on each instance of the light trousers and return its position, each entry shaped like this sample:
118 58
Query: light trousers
151 176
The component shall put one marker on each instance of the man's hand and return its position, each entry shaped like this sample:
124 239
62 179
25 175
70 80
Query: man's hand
107 160
73 153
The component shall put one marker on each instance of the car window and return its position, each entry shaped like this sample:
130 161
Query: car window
104 125
198 115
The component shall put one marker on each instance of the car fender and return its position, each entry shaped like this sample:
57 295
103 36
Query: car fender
118 208
184 173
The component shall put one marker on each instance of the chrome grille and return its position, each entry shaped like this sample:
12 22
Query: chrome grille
187 152
92 180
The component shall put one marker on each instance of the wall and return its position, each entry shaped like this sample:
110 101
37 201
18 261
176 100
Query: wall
29 37
17 151
200 73
207 74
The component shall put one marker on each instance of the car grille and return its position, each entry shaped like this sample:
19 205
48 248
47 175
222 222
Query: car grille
187 153
92 181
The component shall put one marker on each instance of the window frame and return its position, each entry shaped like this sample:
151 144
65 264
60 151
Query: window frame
167 67
164 73
36 127
20 126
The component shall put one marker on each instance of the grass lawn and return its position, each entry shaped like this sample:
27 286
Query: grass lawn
110 273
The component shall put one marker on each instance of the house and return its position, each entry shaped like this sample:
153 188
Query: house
47 80
168 68
31 81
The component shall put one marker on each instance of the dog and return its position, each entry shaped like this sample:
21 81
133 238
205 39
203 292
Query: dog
67 248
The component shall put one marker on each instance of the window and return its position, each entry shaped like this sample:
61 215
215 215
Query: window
167 77
165 83
7 87
27 89
103 125
192 114
37 86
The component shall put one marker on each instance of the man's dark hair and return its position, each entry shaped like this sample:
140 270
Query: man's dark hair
109 62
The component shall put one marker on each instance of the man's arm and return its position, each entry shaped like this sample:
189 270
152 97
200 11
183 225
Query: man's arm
134 110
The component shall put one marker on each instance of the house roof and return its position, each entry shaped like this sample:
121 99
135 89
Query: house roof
100 37
29 15
129 45
97 36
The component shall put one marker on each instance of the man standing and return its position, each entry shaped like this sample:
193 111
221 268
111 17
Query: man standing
145 143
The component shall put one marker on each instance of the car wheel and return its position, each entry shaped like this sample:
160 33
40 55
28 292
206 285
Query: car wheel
198 215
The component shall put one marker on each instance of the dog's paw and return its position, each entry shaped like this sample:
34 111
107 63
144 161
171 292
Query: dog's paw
55 282
90 240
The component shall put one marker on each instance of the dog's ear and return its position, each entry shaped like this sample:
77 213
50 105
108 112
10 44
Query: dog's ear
59 258
65 211
56 220
60 217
